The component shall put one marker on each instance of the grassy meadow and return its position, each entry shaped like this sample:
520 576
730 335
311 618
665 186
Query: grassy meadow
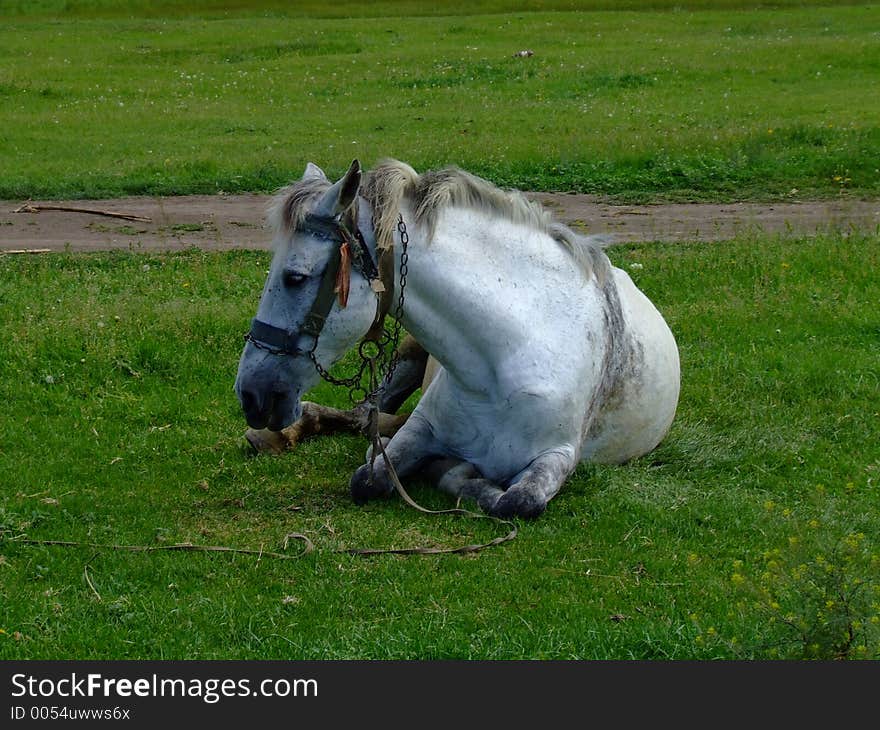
710 100
750 533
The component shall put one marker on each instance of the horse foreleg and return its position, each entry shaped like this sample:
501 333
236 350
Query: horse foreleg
527 496
317 419
410 448
537 484
463 480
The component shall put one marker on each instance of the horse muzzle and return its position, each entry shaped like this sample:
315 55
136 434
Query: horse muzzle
272 409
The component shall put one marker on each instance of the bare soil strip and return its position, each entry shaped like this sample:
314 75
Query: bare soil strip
220 222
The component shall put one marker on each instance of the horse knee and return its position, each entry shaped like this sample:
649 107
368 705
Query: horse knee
519 501
369 483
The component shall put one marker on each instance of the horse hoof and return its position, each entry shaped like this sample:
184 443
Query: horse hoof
264 441
365 486
518 503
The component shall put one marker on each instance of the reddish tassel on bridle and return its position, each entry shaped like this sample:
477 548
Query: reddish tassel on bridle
343 275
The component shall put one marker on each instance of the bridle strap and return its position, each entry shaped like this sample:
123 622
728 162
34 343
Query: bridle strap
314 321
273 339
385 278
280 341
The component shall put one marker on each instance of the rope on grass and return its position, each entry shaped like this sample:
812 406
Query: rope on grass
308 546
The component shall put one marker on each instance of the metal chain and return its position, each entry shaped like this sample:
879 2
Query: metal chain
393 338
390 340
248 337
325 374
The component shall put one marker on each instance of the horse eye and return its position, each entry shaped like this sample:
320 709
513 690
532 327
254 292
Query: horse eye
292 279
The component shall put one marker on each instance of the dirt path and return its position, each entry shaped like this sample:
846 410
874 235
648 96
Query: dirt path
237 221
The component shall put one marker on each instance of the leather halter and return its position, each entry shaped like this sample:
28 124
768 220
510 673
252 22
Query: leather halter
280 341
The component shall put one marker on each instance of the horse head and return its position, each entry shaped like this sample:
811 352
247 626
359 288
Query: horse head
317 300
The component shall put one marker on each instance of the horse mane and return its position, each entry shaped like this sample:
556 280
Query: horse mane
291 204
432 192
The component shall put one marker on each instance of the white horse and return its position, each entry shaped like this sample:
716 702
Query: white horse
548 355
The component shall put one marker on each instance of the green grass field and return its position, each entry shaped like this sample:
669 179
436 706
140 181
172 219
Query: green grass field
378 9
750 533
713 101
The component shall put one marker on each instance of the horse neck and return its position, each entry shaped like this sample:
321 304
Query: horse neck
474 295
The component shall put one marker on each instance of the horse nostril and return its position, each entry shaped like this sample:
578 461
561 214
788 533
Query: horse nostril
250 402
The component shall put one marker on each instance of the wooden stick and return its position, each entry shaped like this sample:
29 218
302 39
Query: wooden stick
32 208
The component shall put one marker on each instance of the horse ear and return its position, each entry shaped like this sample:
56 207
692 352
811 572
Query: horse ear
313 172
341 194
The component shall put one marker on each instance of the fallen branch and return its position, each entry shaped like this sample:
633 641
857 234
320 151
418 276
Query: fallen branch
32 208
27 250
